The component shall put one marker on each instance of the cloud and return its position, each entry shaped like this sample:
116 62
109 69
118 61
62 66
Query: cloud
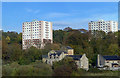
36 11
60 24
32 10
29 10
64 24
56 14
78 23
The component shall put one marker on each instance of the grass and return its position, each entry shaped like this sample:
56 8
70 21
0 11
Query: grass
109 73
81 72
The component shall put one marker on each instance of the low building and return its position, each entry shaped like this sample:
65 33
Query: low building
68 49
67 29
53 56
81 61
111 62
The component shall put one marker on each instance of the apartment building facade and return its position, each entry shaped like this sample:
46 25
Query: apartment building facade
37 34
101 25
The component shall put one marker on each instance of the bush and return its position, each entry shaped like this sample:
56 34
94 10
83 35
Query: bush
62 70
95 70
34 69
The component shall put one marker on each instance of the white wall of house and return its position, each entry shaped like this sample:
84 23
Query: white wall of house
84 62
109 62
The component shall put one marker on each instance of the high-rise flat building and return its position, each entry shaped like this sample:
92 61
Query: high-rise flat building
106 26
37 34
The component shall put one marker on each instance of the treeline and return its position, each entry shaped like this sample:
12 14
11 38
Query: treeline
81 41
92 44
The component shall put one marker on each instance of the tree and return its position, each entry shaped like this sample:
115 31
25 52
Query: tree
58 36
19 38
30 55
8 39
54 46
67 65
113 49
62 70
33 69
4 49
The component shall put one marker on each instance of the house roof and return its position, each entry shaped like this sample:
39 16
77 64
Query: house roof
112 57
44 56
58 52
75 57
68 47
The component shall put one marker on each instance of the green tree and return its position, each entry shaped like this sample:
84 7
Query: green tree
62 70
30 55
113 49
8 39
67 65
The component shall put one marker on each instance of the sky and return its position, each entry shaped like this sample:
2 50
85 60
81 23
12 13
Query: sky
62 14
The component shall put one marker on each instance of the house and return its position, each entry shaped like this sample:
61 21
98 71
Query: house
68 49
111 62
67 29
81 61
53 56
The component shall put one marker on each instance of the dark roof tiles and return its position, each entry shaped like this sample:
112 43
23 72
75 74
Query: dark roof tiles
112 57
75 57
68 47
44 56
58 52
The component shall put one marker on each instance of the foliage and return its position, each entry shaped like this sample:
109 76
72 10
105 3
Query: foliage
95 70
80 72
67 65
62 70
82 41
54 46
58 36
30 55
34 69
66 61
